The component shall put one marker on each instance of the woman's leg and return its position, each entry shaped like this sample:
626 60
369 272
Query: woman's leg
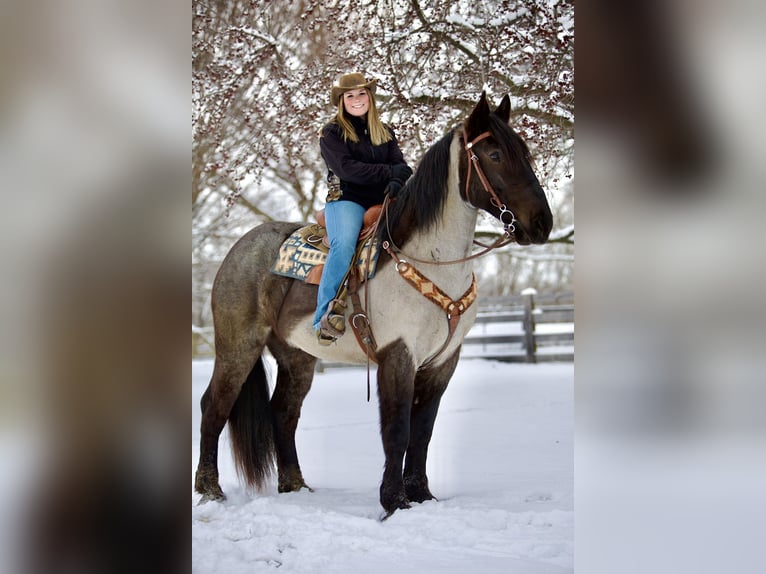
344 221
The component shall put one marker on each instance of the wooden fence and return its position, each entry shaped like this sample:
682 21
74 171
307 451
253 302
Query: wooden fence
527 328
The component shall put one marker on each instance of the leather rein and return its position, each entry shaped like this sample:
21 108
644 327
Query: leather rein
453 309
508 228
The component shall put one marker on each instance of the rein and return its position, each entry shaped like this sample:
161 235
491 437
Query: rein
453 309
508 228
390 246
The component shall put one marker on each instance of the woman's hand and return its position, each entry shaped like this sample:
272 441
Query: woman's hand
392 188
401 172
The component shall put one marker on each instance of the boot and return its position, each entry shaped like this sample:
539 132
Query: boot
333 323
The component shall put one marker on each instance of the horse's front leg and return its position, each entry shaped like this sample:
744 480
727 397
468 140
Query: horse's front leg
396 375
430 385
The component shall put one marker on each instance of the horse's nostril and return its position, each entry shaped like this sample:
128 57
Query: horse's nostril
541 226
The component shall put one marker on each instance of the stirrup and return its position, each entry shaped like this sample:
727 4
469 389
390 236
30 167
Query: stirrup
324 338
332 323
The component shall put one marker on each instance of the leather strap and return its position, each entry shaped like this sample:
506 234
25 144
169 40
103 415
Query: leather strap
360 322
453 309
360 325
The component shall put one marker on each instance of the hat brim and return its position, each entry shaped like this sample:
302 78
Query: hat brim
337 91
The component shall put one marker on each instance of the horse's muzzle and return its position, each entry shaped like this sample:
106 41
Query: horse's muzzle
538 230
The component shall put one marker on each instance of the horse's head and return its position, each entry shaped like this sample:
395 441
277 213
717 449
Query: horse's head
497 176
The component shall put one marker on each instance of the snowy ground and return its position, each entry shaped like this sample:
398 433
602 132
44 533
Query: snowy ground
501 463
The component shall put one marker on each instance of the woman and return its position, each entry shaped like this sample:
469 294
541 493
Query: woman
364 163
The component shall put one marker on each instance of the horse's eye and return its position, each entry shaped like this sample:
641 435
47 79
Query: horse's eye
494 156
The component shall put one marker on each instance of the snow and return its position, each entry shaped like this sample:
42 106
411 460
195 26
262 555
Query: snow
500 462
561 233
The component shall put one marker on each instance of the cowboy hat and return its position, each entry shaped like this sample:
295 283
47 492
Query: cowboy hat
351 81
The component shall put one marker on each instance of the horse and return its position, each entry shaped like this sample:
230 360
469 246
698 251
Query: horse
480 164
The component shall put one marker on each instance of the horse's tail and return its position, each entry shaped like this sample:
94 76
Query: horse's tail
251 429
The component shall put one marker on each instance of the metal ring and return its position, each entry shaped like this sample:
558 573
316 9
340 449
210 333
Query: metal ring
503 211
399 263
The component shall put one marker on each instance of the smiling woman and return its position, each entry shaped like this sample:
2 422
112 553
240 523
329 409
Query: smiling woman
356 102
364 163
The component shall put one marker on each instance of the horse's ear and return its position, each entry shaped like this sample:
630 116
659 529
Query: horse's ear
503 111
478 122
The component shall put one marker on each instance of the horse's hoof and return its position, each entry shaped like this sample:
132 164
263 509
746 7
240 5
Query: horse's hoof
403 505
212 497
421 496
417 490
399 502
206 484
293 486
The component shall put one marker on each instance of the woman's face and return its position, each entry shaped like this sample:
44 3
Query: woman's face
356 102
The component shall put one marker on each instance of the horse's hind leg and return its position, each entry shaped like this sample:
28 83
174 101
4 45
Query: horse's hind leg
295 372
206 479
430 385
225 385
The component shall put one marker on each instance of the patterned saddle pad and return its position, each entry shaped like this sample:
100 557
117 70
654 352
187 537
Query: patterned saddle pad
304 251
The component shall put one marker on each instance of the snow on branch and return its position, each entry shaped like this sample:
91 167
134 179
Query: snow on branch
563 235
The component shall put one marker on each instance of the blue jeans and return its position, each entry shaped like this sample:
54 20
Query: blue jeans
344 221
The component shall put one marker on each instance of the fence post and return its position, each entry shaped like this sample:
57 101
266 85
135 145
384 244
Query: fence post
530 344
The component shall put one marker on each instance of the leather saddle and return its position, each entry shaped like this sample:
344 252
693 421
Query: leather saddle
371 217
368 223
303 253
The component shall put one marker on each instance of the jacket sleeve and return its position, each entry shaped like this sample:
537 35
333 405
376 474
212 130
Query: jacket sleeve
394 153
338 158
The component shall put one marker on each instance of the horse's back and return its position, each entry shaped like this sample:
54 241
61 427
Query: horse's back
245 293
254 253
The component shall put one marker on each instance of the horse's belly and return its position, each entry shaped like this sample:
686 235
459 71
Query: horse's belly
344 350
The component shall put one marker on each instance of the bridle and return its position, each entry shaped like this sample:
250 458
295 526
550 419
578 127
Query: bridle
508 227
473 162
453 309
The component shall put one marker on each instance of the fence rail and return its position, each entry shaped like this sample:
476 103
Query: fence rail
527 328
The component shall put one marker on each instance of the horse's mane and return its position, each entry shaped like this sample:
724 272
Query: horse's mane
421 202
423 197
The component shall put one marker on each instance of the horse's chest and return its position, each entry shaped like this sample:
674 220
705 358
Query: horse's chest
415 313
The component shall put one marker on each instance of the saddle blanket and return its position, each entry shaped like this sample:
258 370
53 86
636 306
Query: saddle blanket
305 250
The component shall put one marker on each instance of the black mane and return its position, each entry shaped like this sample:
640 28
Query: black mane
421 200
420 204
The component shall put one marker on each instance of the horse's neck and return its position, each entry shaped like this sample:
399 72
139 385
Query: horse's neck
452 238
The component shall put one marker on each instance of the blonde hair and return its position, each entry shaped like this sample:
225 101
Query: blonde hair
379 133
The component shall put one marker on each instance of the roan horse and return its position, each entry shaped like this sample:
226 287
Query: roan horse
480 164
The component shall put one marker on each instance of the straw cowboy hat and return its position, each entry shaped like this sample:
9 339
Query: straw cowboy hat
351 82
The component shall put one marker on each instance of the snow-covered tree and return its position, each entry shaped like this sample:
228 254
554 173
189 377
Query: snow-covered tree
261 76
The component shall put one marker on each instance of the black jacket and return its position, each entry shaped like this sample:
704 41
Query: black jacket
364 170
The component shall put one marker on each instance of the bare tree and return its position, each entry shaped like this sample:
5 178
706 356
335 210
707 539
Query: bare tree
261 73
